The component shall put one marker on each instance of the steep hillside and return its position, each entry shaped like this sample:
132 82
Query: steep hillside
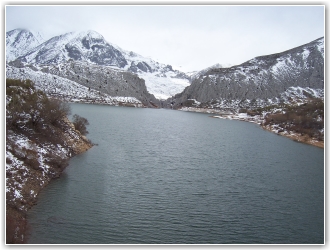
89 83
261 81
39 141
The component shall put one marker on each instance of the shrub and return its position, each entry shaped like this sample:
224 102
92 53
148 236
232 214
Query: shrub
54 110
28 107
80 124
306 119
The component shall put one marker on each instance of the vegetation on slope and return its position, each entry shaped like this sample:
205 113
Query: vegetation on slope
39 141
306 119
28 109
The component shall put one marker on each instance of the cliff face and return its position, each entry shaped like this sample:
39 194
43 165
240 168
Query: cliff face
263 78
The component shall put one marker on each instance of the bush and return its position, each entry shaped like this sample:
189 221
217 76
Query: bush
31 108
55 109
307 119
80 124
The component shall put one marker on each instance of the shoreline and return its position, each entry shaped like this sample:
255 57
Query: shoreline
18 218
257 120
24 181
288 134
297 137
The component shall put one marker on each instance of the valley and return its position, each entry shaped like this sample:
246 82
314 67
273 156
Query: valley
84 67
283 93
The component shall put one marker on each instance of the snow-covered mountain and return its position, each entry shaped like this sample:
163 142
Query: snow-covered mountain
91 47
86 46
88 59
262 81
20 41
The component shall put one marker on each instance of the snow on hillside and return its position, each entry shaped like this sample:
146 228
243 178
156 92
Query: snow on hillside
54 48
39 36
163 87
91 47
19 42
298 94
66 89
160 79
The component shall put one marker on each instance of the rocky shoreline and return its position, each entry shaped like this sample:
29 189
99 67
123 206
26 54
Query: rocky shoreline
258 119
289 134
296 137
31 163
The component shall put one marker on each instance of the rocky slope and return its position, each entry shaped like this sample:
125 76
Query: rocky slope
262 81
90 48
81 82
39 142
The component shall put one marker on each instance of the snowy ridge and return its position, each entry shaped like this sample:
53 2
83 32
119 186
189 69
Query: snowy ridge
91 47
49 51
39 36
195 75
297 71
20 41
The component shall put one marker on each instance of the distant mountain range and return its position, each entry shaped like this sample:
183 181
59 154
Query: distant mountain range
90 47
103 72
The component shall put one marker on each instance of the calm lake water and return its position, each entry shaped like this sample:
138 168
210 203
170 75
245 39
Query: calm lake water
172 177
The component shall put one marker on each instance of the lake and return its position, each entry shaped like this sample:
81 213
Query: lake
159 176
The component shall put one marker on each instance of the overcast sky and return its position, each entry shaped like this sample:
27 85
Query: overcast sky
187 37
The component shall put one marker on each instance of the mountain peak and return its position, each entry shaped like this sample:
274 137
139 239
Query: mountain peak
88 46
18 42
92 34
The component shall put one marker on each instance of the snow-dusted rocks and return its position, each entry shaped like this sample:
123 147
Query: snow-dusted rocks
90 47
69 90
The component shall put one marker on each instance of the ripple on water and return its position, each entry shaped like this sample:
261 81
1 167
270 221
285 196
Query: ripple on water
163 177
